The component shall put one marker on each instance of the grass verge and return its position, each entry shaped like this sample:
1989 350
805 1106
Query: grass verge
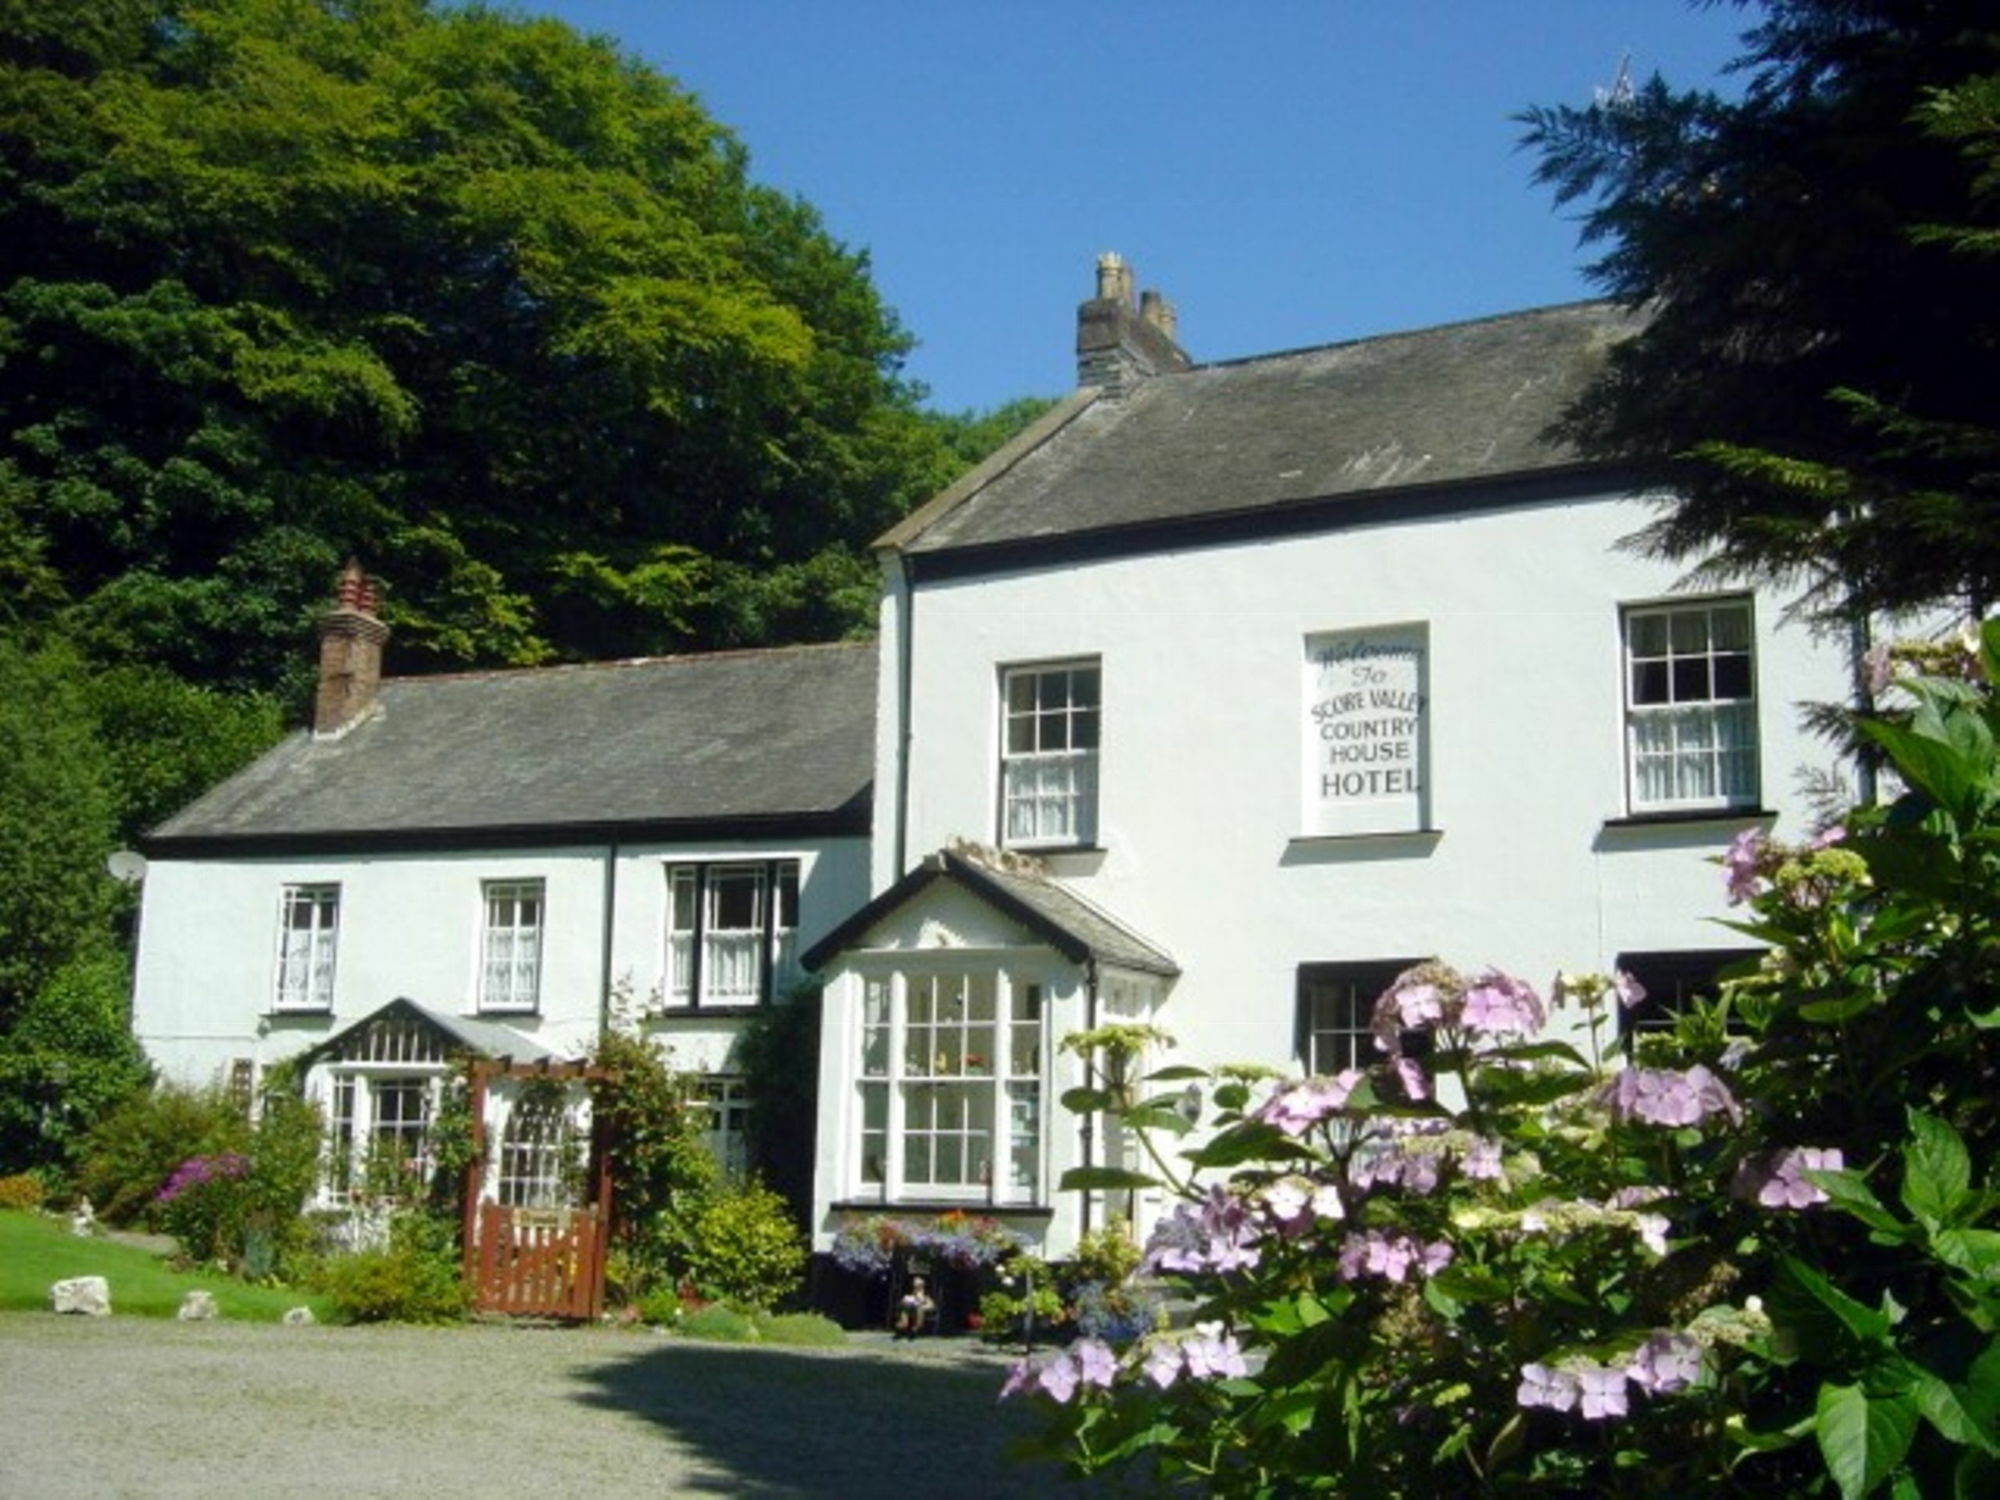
35 1252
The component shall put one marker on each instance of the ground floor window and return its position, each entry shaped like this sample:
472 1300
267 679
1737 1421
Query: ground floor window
378 1134
951 1084
1673 980
1334 1026
728 1102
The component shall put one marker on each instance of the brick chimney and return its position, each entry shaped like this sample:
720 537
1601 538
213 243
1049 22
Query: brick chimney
350 654
1118 343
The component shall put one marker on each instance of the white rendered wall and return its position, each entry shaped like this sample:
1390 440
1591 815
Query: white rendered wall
1200 771
410 927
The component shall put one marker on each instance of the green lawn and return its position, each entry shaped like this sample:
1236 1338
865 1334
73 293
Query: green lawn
35 1252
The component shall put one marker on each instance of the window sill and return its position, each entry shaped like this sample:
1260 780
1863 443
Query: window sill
706 1008
1312 840
1042 851
1670 817
503 1013
299 1013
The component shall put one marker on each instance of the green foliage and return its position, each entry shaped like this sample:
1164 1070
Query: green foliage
167 740
453 287
68 1059
656 1125
802 1330
778 1051
1763 1258
736 1243
23 1190
717 1324
56 823
130 1152
413 1279
1812 423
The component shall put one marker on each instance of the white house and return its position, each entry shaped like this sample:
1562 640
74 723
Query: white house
1259 681
486 863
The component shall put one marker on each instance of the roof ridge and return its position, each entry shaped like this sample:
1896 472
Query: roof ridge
617 663
1392 335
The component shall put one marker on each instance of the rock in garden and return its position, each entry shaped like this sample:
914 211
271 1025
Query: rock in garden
89 1295
299 1317
197 1307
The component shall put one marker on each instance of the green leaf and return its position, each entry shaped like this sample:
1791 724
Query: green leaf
1851 1194
1976 1252
1843 1009
1862 1439
1154 1116
1251 1141
1863 1322
1081 1101
1097 1179
1929 765
1937 1172
1944 1407
1178 1073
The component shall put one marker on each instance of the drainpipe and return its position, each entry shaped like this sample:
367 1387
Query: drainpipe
1089 1129
611 853
906 650
1858 645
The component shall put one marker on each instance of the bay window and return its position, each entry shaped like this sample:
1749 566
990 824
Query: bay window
951 1085
732 931
1691 706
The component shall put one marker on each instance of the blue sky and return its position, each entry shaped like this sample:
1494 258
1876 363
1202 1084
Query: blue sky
1287 172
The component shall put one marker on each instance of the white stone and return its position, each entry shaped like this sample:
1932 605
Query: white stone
197 1307
300 1317
88 1295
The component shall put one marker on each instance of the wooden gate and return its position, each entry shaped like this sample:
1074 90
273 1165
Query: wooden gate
540 1262
535 1262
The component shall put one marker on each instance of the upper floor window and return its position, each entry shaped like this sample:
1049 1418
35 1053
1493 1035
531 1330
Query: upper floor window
511 945
308 932
1048 754
732 931
1690 706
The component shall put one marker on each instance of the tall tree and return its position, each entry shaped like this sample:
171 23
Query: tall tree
481 299
1815 382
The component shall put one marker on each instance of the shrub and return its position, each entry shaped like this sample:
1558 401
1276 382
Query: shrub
719 1325
204 1203
414 1280
803 1331
22 1190
130 1153
736 1244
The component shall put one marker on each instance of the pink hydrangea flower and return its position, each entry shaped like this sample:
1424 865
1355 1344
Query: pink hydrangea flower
1296 1107
1095 1363
1501 1005
1661 1096
1211 1352
1480 1162
1667 1362
1742 865
1601 1392
1411 1072
1163 1363
1556 1390
1771 1178
1630 992
1057 1378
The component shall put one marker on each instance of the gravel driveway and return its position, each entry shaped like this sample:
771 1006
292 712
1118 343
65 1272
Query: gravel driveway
141 1406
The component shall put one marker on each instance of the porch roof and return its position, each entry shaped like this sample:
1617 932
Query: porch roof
1018 889
482 1038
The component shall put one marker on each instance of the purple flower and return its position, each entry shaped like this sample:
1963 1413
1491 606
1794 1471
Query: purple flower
1661 1096
1501 1005
1095 1363
1163 1363
1390 1256
1020 1377
1601 1392
1411 1072
1771 1178
1742 865
1057 1378
1480 1162
1296 1107
1665 1363
1219 1236
1630 991
1212 1352
1557 1390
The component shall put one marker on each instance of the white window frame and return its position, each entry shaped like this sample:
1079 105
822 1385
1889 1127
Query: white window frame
1690 706
1336 1012
705 961
951 1106
537 1155
1051 744
308 953
357 1121
511 948
726 1097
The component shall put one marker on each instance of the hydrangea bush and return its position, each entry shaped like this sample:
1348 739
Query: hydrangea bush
1754 1255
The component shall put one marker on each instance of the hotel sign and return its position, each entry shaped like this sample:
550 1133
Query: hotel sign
1367 731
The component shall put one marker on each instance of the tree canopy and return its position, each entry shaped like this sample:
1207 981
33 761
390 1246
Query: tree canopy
1817 258
463 292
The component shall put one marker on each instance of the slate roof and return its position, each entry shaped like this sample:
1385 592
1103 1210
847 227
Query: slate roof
1464 403
738 739
479 1037
1045 906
